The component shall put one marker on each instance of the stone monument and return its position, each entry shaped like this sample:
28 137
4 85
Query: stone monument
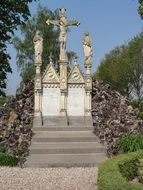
68 95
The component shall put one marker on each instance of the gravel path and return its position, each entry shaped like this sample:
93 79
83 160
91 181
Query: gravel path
48 178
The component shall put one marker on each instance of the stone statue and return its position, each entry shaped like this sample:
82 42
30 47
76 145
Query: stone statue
63 23
38 47
87 48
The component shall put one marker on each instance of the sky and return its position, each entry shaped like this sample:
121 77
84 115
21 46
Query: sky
110 23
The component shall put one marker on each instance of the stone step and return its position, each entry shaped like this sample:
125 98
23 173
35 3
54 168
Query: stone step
65 139
67 128
64 136
64 148
65 160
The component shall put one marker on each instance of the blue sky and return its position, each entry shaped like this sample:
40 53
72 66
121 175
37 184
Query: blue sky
110 23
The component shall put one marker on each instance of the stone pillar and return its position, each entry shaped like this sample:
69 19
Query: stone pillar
87 48
63 87
88 90
38 47
38 88
38 97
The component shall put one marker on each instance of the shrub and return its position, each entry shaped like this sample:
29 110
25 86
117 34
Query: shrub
114 173
140 170
130 143
141 106
134 104
8 160
141 115
2 100
2 149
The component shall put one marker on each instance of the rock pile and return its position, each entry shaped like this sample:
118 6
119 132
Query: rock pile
113 117
16 118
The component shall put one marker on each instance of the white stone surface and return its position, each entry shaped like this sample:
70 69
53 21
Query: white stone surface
48 178
75 101
51 102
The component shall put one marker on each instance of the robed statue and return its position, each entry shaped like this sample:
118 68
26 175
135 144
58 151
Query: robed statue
87 48
38 47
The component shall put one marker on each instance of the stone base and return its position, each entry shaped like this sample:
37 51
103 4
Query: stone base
80 121
54 121
37 122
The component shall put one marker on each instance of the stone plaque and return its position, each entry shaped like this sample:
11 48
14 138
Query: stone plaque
75 102
51 102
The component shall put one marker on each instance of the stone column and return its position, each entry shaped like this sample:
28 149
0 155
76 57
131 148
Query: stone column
38 47
87 48
63 87
38 97
88 90
38 89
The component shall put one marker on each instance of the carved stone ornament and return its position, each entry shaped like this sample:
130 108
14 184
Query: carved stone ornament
75 75
38 47
87 48
63 24
88 83
50 75
37 82
63 76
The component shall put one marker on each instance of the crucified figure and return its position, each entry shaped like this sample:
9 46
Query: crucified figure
63 23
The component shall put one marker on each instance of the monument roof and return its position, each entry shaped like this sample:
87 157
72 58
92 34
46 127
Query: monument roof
50 75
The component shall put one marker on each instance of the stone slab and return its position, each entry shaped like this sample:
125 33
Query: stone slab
65 160
51 102
75 101
80 121
56 121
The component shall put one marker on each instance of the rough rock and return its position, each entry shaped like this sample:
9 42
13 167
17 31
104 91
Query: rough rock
16 118
113 117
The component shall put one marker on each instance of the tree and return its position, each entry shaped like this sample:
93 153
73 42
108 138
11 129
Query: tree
114 69
122 68
12 14
25 46
136 60
140 9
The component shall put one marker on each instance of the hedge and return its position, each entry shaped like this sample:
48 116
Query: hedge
115 173
8 160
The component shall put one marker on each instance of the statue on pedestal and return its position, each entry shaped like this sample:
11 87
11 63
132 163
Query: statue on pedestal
87 48
38 47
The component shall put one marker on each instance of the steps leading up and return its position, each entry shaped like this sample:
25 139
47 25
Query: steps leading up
66 160
73 145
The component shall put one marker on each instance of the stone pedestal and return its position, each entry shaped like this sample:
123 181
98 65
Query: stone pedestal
63 86
37 96
88 90
37 121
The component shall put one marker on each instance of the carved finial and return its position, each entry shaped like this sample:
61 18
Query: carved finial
75 59
50 58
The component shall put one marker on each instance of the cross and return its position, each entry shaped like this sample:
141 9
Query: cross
50 58
63 23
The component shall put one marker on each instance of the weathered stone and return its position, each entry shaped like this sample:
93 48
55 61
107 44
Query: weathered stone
113 117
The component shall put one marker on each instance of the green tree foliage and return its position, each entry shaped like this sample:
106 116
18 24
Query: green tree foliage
25 46
12 14
122 68
114 69
136 61
140 9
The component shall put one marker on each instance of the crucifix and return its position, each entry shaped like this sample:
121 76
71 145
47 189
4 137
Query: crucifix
63 24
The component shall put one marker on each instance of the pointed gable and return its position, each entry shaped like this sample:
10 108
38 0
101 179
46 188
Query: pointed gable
50 75
75 75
